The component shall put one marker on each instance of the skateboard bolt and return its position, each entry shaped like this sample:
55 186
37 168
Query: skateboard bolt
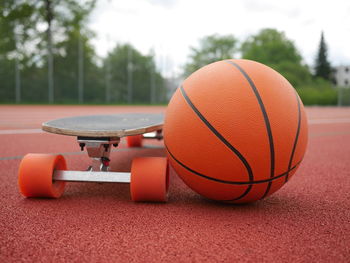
82 145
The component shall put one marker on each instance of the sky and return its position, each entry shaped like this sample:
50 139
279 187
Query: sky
171 27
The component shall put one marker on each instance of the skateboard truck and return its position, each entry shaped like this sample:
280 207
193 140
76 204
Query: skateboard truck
98 150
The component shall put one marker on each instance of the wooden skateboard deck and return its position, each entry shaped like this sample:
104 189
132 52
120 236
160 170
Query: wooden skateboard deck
116 125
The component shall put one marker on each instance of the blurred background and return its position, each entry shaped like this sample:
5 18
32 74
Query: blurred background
139 51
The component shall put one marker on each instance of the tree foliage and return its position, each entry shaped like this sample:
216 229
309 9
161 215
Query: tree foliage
274 49
124 61
16 24
24 42
322 66
15 30
211 48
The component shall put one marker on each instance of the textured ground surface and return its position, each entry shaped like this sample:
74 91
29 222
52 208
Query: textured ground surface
306 221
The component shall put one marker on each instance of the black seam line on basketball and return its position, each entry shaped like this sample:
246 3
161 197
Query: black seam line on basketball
296 136
267 190
242 195
222 139
266 119
229 182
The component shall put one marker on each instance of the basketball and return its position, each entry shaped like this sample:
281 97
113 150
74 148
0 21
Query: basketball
235 131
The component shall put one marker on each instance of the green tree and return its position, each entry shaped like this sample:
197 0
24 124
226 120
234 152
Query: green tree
211 48
274 49
322 66
131 74
25 39
77 76
15 30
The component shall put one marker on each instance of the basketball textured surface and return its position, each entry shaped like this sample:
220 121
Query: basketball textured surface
235 131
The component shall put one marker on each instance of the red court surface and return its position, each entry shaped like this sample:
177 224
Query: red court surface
308 220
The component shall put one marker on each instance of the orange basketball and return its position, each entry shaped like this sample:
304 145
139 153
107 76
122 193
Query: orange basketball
235 131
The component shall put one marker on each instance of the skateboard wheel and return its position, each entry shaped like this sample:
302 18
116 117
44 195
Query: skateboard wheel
36 172
134 140
149 179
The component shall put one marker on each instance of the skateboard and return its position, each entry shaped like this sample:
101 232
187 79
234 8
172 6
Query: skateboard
45 175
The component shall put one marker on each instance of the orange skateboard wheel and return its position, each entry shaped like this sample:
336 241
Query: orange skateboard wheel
149 179
134 141
36 172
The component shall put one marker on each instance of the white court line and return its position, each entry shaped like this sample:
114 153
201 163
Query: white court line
21 131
